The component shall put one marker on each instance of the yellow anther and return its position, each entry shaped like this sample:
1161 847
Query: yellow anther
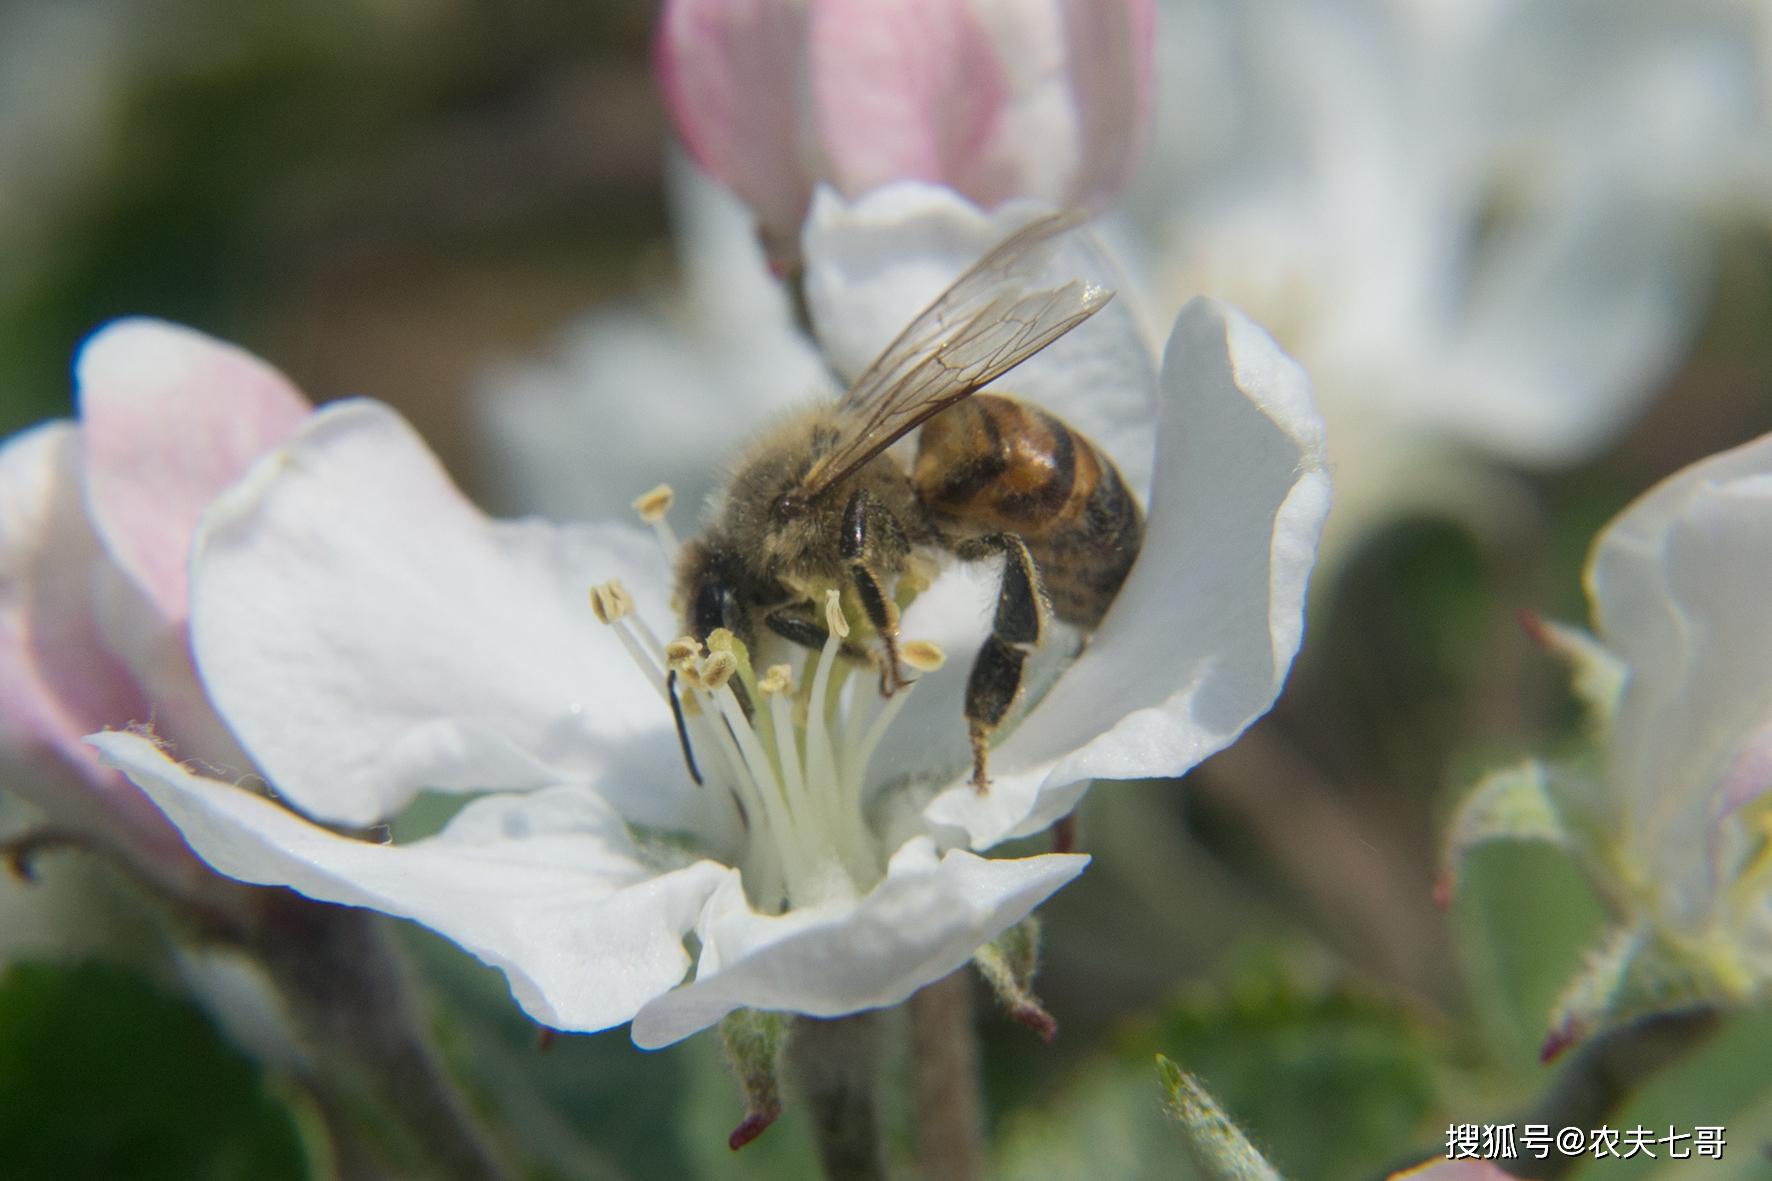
833 615
721 640
777 678
682 654
717 669
652 506
923 655
610 601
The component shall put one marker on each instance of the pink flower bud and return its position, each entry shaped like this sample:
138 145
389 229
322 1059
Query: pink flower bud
996 100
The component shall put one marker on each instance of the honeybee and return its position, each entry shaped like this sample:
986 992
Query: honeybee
822 502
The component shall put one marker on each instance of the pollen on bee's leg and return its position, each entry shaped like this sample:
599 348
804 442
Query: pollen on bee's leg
654 507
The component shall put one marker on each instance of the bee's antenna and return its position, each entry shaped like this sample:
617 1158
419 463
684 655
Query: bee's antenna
682 727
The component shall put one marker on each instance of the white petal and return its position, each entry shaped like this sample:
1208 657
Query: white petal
922 922
871 266
1679 587
1201 637
367 632
546 887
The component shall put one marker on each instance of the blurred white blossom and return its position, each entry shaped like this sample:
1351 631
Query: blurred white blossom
1671 820
1482 226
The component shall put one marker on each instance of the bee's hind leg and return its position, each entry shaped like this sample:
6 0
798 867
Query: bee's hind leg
1016 629
871 532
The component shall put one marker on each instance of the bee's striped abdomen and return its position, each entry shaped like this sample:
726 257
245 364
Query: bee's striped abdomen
991 464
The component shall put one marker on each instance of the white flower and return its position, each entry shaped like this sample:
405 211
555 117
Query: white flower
1672 825
1443 212
368 634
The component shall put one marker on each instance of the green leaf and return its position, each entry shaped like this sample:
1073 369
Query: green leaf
1215 1144
1326 1081
1512 804
102 1076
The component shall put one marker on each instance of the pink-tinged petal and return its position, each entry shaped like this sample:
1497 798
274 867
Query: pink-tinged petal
1111 45
169 418
732 73
63 678
910 90
924 920
1453 1170
546 887
367 633
59 678
1201 637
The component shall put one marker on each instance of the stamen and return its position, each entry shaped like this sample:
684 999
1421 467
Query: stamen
834 620
819 763
796 782
683 654
653 507
923 655
752 762
611 601
777 679
613 606
717 669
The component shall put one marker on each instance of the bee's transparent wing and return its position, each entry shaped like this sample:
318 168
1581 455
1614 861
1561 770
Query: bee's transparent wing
993 317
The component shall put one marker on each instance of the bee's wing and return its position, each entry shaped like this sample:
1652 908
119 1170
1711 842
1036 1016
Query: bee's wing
994 317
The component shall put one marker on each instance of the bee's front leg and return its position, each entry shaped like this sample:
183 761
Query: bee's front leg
1016 629
872 533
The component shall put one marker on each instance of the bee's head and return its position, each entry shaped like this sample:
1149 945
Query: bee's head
790 505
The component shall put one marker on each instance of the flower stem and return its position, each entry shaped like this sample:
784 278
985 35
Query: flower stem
1610 1068
350 998
944 1049
836 1067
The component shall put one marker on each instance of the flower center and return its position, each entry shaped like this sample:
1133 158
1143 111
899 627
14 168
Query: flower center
791 747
